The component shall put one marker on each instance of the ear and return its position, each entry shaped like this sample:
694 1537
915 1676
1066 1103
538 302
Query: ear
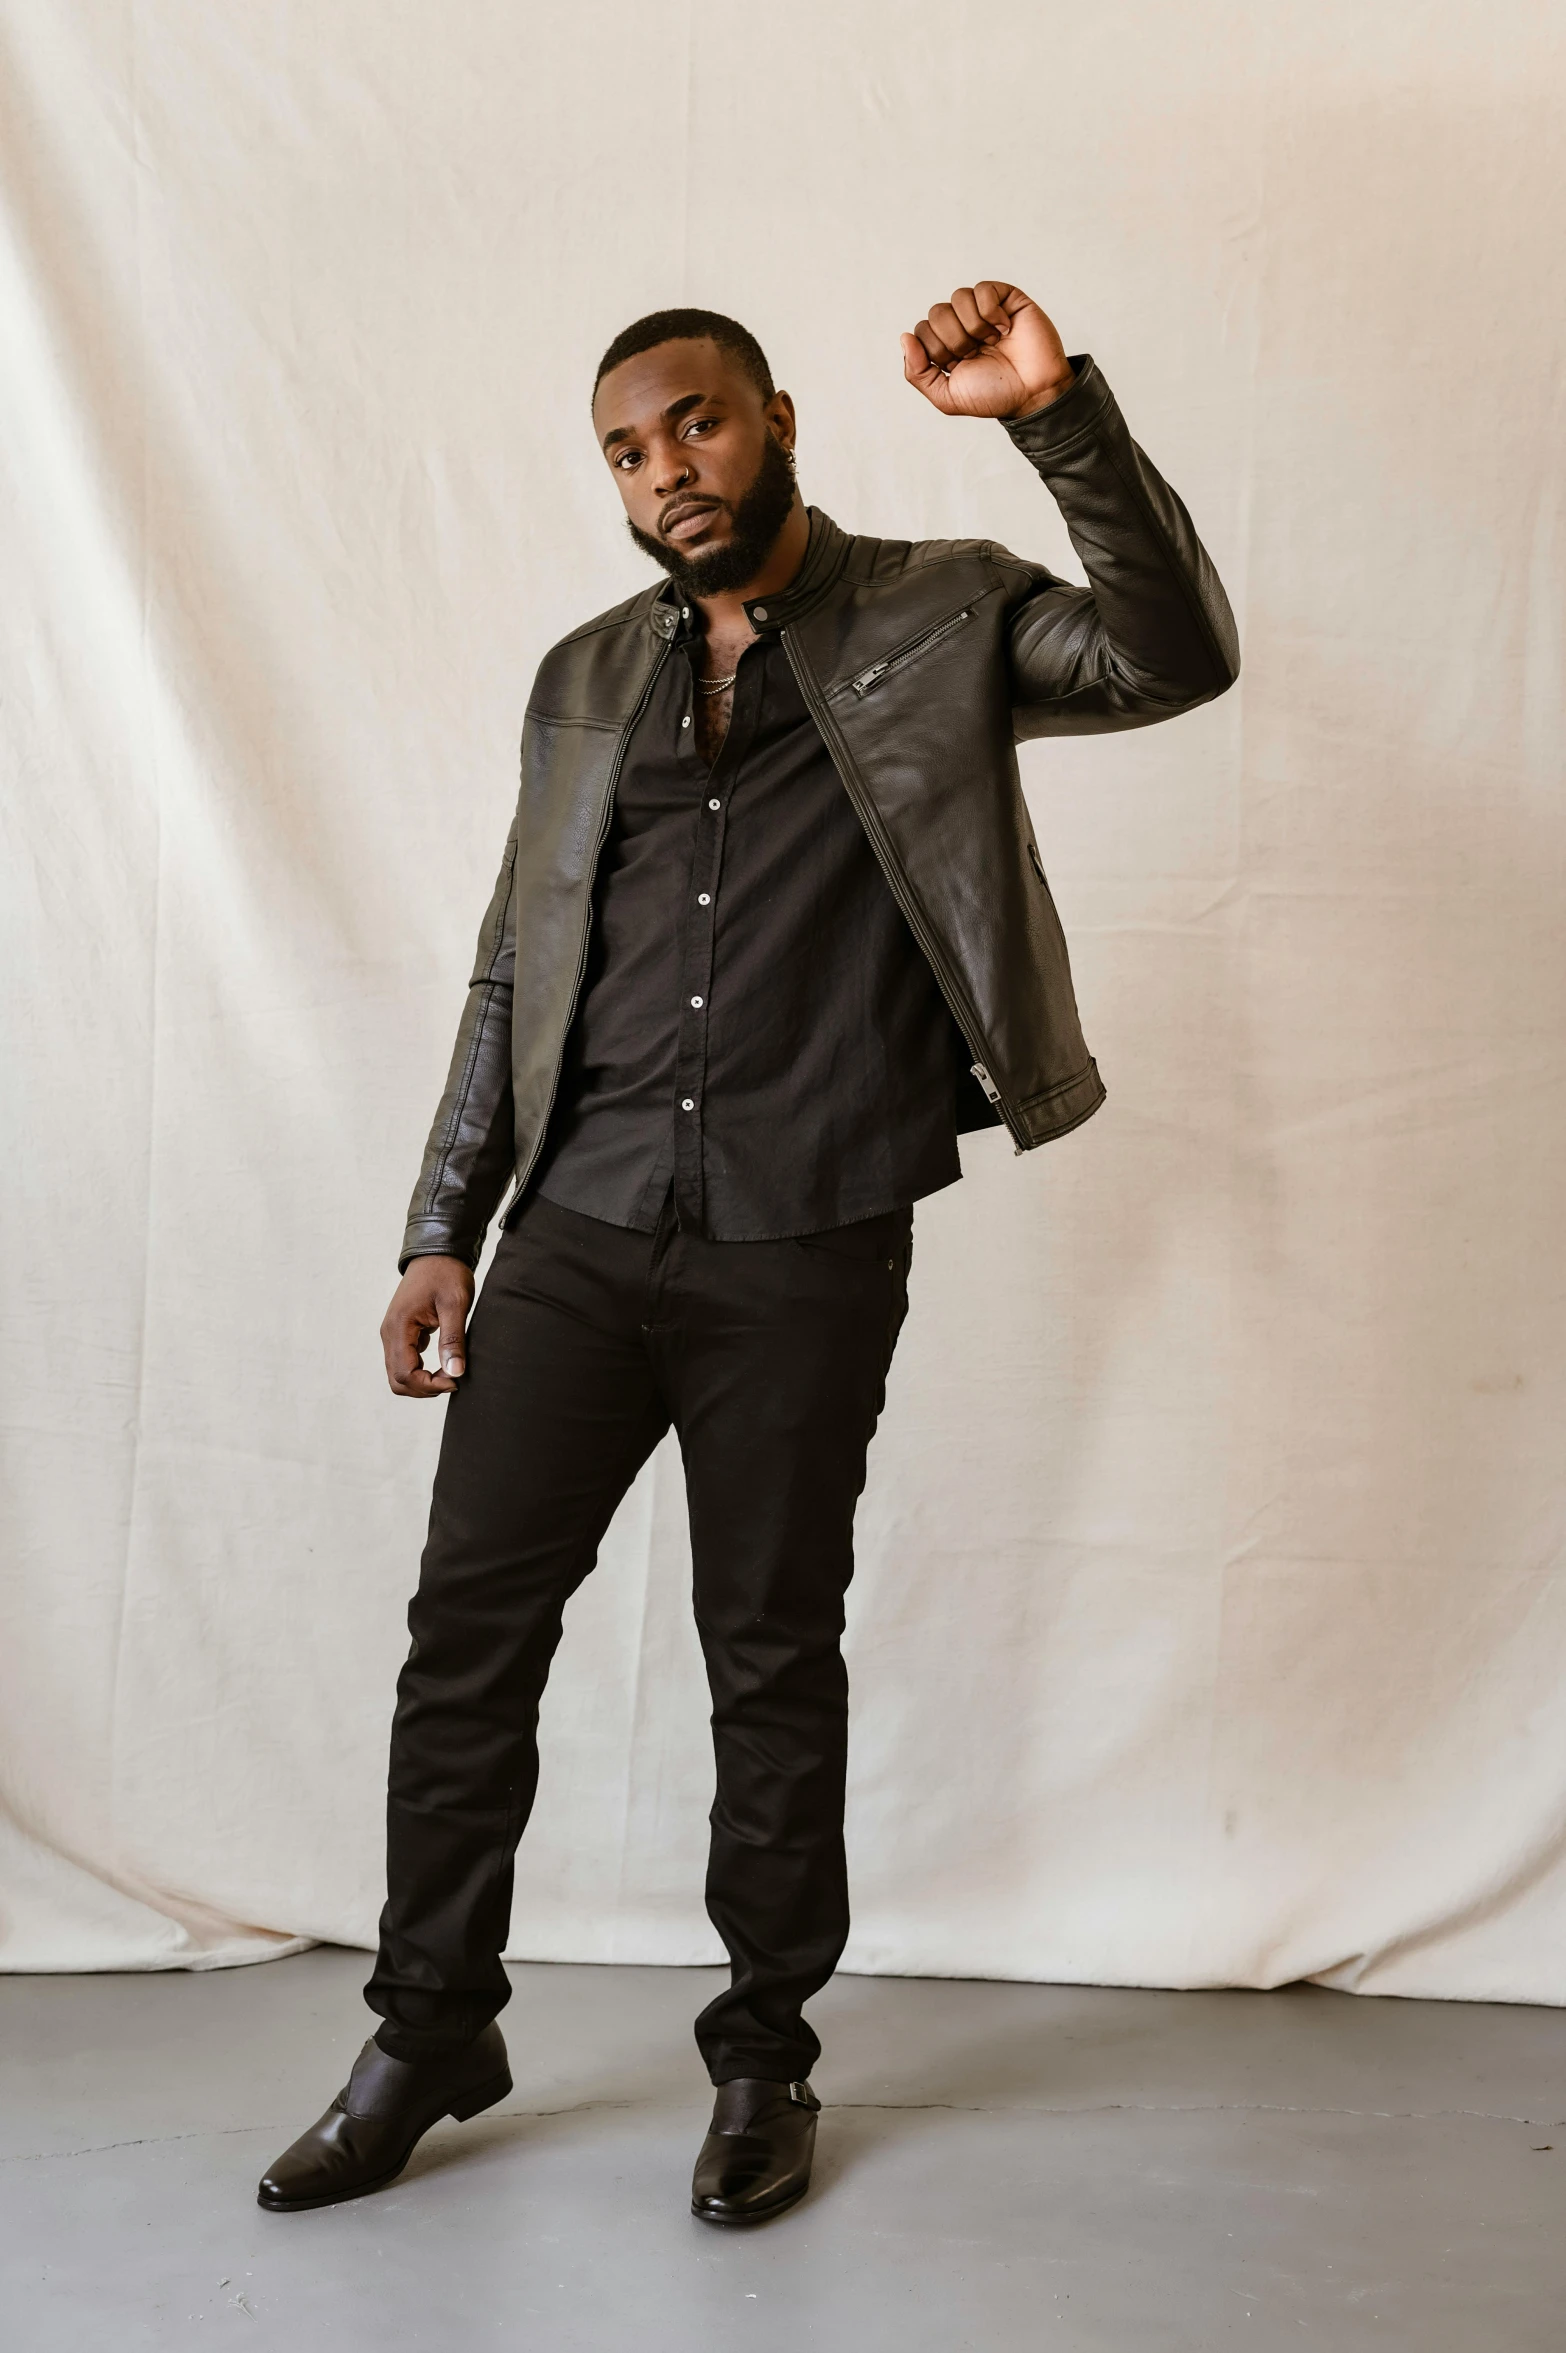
779 414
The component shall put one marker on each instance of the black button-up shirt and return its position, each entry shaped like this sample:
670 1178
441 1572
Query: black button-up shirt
757 1026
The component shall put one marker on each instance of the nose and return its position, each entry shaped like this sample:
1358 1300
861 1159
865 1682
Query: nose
671 469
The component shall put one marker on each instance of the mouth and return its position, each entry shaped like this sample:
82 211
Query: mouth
687 519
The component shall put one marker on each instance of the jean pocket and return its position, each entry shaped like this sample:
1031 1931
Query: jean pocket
883 1237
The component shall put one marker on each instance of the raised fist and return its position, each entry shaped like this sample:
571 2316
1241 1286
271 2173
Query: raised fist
989 352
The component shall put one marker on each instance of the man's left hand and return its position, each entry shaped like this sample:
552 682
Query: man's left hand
989 352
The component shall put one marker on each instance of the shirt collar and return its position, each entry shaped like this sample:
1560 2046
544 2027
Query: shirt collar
674 616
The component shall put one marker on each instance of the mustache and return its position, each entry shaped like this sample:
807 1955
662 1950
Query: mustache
678 508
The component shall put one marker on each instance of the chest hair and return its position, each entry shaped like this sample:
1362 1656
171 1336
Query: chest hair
713 713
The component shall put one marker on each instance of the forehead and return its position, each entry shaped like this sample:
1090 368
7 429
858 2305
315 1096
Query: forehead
633 396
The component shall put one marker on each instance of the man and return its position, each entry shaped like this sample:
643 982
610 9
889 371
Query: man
770 930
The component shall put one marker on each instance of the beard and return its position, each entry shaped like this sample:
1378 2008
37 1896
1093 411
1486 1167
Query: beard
756 519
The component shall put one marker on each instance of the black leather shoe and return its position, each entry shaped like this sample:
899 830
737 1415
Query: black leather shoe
755 2161
378 2119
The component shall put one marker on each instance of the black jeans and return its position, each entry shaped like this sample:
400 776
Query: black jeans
588 1341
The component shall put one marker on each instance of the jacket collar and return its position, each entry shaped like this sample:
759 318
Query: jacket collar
826 551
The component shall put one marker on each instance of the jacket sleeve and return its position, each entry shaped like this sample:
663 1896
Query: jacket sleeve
468 1159
1152 634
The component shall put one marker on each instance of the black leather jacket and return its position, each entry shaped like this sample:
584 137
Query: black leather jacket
924 664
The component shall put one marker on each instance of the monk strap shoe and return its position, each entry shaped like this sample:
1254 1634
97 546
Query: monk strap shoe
378 2119
755 2161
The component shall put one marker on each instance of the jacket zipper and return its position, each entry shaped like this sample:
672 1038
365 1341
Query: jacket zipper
994 1094
883 669
520 1184
869 818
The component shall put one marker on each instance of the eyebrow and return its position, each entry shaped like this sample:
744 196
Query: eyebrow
671 416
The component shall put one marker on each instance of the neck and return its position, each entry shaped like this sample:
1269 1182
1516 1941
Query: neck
725 615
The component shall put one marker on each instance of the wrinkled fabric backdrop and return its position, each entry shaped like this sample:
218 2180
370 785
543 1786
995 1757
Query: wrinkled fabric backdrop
1209 1625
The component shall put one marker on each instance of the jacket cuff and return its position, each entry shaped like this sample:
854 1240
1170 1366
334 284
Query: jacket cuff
425 1238
1050 431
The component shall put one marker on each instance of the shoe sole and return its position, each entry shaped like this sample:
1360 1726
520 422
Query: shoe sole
756 2213
472 2104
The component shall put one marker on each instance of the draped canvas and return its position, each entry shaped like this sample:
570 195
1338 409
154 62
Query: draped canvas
1209 1623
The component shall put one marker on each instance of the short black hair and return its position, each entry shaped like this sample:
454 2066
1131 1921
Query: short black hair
678 326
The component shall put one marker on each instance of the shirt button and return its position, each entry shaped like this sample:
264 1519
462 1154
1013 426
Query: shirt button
714 804
704 898
685 612
696 1001
688 1105
685 722
760 612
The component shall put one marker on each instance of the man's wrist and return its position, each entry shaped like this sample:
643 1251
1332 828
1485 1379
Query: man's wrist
441 1249
1037 401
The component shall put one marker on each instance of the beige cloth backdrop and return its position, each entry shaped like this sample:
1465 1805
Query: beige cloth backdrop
1210 1622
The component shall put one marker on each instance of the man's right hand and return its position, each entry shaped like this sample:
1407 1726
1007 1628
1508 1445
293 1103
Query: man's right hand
433 1296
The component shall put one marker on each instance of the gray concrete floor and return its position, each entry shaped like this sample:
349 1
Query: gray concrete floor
999 2166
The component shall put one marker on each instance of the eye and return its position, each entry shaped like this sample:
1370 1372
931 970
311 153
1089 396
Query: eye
626 458
700 425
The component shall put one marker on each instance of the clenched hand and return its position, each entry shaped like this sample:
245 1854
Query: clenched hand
989 352
433 1296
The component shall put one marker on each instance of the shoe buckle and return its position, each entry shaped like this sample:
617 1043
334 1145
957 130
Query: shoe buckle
802 2095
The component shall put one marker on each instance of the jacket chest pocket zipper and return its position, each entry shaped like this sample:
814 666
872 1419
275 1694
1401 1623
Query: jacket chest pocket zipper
866 679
